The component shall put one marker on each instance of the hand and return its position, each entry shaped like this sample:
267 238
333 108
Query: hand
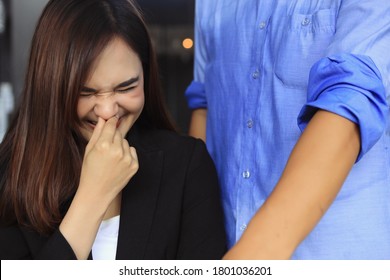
109 163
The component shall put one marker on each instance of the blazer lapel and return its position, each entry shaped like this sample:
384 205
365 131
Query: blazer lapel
139 199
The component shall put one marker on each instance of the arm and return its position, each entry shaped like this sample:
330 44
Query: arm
18 243
312 178
345 116
100 185
197 127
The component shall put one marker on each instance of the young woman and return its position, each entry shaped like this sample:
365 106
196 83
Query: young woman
91 166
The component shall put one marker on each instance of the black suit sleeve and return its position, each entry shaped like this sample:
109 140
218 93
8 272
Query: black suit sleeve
13 246
202 232
56 248
18 244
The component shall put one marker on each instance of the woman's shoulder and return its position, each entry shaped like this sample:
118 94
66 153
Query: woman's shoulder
165 140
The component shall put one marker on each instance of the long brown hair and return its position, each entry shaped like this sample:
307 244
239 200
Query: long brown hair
41 154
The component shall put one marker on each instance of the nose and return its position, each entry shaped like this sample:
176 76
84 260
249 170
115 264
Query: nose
106 107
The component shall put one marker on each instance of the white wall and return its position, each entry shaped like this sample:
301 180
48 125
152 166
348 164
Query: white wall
6 106
24 17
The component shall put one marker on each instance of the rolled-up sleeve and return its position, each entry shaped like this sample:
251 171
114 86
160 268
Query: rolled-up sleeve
196 96
195 92
350 86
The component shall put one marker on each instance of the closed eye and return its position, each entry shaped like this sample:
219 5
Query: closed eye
125 90
123 87
87 92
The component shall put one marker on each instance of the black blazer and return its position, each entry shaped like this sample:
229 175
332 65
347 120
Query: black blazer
170 208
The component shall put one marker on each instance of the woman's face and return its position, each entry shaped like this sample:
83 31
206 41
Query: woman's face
115 88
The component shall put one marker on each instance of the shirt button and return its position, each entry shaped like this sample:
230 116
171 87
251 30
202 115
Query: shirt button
246 174
249 123
243 227
262 25
256 74
305 22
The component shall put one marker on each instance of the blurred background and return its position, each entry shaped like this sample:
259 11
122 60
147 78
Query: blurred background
171 25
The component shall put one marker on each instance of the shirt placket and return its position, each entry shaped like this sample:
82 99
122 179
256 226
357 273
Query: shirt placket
247 174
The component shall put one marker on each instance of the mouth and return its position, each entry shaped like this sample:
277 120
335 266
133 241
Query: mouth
92 124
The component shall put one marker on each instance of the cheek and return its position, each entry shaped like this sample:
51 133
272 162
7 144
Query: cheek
83 107
140 102
135 103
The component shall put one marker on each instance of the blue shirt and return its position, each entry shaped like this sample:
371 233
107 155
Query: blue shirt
262 68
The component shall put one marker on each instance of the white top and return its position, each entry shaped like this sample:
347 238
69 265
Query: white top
104 247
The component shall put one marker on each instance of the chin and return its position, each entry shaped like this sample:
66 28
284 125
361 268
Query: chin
125 125
124 130
87 134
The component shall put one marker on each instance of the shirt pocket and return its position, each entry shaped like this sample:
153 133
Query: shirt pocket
303 42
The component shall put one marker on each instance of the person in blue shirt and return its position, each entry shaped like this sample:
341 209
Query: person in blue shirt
291 98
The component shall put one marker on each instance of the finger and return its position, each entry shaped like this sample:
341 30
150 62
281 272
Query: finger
109 130
133 153
134 162
96 132
118 139
125 146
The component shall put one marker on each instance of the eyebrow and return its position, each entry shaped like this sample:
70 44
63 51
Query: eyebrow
121 85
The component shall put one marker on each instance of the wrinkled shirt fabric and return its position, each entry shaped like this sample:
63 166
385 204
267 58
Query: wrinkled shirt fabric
262 69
